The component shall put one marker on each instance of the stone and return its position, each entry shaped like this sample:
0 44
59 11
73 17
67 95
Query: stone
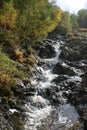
74 51
47 52
63 70
59 79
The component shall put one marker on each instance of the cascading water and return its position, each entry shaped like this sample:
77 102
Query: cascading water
51 112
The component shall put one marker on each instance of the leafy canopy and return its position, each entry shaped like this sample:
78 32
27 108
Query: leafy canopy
8 14
36 18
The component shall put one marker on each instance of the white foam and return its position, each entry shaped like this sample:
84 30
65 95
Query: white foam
13 110
49 75
54 60
75 78
36 116
77 71
39 99
43 85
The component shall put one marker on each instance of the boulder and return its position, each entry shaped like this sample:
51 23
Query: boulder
63 70
74 51
59 79
47 52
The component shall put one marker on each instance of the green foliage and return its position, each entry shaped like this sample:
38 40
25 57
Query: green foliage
74 21
65 24
6 65
36 18
72 37
32 19
2 36
8 15
1 3
82 18
23 22
31 60
7 79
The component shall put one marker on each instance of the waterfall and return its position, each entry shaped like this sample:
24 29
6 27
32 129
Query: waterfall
48 109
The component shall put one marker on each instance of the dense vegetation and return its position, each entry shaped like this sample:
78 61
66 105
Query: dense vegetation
22 25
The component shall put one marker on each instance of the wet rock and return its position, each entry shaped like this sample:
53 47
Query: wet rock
23 92
4 124
47 52
82 64
66 94
6 107
63 70
70 54
12 103
59 79
51 94
4 100
59 126
74 51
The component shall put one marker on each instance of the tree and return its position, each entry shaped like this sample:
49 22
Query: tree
8 14
74 21
36 18
82 18
65 24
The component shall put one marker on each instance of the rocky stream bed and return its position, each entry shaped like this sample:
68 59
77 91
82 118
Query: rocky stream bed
56 97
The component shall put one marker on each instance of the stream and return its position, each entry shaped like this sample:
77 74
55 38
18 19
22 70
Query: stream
50 107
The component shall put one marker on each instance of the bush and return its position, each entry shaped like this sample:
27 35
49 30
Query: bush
6 65
7 71
6 83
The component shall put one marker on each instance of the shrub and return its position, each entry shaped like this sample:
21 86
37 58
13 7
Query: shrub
7 71
6 83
